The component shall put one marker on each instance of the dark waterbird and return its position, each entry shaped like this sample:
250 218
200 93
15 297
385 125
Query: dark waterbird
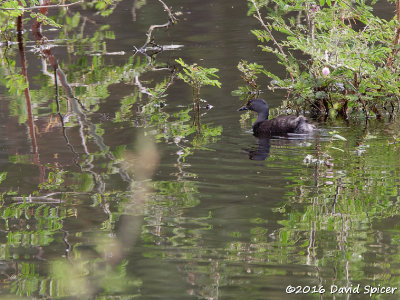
281 125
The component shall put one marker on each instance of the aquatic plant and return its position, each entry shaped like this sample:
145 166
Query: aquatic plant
249 76
197 77
348 60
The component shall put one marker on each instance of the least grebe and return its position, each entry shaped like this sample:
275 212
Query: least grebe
280 125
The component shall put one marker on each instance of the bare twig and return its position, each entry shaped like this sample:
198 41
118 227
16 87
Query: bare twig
171 17
150 31
171 21
147 91
310 22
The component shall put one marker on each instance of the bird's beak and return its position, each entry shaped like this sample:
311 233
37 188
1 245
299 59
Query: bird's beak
246 107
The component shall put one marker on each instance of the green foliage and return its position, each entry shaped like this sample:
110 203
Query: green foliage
104 7
65 224
349 60
249 75
44 19
16 84
37 213
20 159
73 278
3 176
11 9
208 136
178 128
55 179
15 8
197 76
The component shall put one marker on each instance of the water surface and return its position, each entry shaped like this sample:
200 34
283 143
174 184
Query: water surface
127 203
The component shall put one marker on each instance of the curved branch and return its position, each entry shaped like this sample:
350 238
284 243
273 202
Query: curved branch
171 21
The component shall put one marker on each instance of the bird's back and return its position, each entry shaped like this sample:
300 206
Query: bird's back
283 125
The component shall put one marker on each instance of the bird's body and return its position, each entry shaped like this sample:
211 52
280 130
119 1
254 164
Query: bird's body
281 125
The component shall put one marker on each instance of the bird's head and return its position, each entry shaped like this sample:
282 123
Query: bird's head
257 105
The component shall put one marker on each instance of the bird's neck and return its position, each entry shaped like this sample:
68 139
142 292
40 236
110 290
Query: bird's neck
262 116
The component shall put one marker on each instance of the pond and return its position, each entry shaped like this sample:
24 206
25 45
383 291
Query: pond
123 200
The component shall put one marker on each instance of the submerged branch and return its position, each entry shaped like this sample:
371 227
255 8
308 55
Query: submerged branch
64 129
79 111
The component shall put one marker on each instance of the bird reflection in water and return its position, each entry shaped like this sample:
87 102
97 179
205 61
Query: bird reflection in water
262 150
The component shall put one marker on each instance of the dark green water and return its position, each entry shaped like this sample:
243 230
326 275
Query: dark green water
126 204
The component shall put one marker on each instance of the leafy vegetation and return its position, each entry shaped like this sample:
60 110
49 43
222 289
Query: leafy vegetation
36 216
349 56
197 77
249 75
88 209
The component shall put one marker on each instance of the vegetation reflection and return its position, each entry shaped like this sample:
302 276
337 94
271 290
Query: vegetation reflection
95 177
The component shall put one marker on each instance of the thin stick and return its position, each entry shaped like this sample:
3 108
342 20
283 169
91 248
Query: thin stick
259 18
171 21
397 37
168 10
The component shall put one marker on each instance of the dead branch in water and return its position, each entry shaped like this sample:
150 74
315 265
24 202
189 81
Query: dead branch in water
171 21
